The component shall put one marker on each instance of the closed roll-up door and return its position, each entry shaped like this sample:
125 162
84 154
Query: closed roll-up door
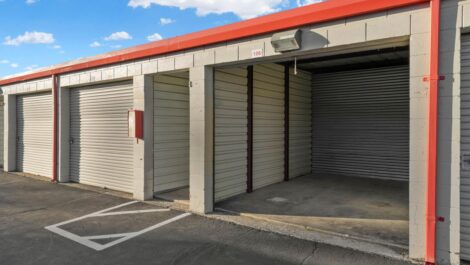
268 124
230 132
101 153
171 132
2 106
361 123
465 150
300 123
34 134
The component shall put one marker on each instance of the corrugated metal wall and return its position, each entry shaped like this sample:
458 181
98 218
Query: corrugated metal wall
230 132
2 106
465 150
101 153
300 123
268 124
171 131
34 134
361 123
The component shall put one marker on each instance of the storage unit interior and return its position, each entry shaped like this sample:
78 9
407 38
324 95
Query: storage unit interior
171 136
348 143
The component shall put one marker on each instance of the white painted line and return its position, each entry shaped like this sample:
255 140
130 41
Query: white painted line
87 241
176 218
95 213
108 236
75 238
131 212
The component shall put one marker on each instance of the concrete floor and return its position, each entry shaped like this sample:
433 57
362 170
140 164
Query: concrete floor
27 206
368 209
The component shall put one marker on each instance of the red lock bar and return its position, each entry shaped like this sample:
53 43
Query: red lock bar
136 124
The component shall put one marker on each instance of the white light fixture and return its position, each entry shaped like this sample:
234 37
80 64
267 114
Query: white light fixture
287 41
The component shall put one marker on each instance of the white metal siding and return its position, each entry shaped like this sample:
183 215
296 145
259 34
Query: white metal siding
34 134
101 153
268 124
361 123
465 150
300 123
171 131
2 106
230 132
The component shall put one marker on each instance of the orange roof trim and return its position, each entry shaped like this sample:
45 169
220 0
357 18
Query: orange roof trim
311 14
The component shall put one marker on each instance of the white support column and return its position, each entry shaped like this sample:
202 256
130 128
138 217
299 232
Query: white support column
201 101
64 134
9 147
143 149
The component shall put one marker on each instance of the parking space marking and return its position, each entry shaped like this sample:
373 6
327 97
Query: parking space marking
122 237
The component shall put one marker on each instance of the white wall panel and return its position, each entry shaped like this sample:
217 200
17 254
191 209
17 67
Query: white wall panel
230 132
34 134
101 153
171 131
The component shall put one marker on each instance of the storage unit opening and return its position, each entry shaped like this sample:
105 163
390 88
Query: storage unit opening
318 142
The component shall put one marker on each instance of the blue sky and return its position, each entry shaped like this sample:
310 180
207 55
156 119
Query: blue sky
38 33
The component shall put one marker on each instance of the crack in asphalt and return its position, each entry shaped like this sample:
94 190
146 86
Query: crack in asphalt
312 254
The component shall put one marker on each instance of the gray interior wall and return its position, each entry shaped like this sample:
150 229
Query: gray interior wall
300 123
171 131
268 124
361 123
230 156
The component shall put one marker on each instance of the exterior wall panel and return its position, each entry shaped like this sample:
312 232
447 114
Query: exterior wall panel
171 131
465 150
2 106
230 132
101 153
34 134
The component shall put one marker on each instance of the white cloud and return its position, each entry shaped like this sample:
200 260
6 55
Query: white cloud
61 52
31 67
243 8
95 44
117 46
154 37
56 47
4 61
165 21
30 2
34 37
308 2
121 35
14 65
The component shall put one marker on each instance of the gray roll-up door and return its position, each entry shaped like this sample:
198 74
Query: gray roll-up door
465 150
361 123
171 131
230 132
300 123
2 133
268 124
34 121
101 153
